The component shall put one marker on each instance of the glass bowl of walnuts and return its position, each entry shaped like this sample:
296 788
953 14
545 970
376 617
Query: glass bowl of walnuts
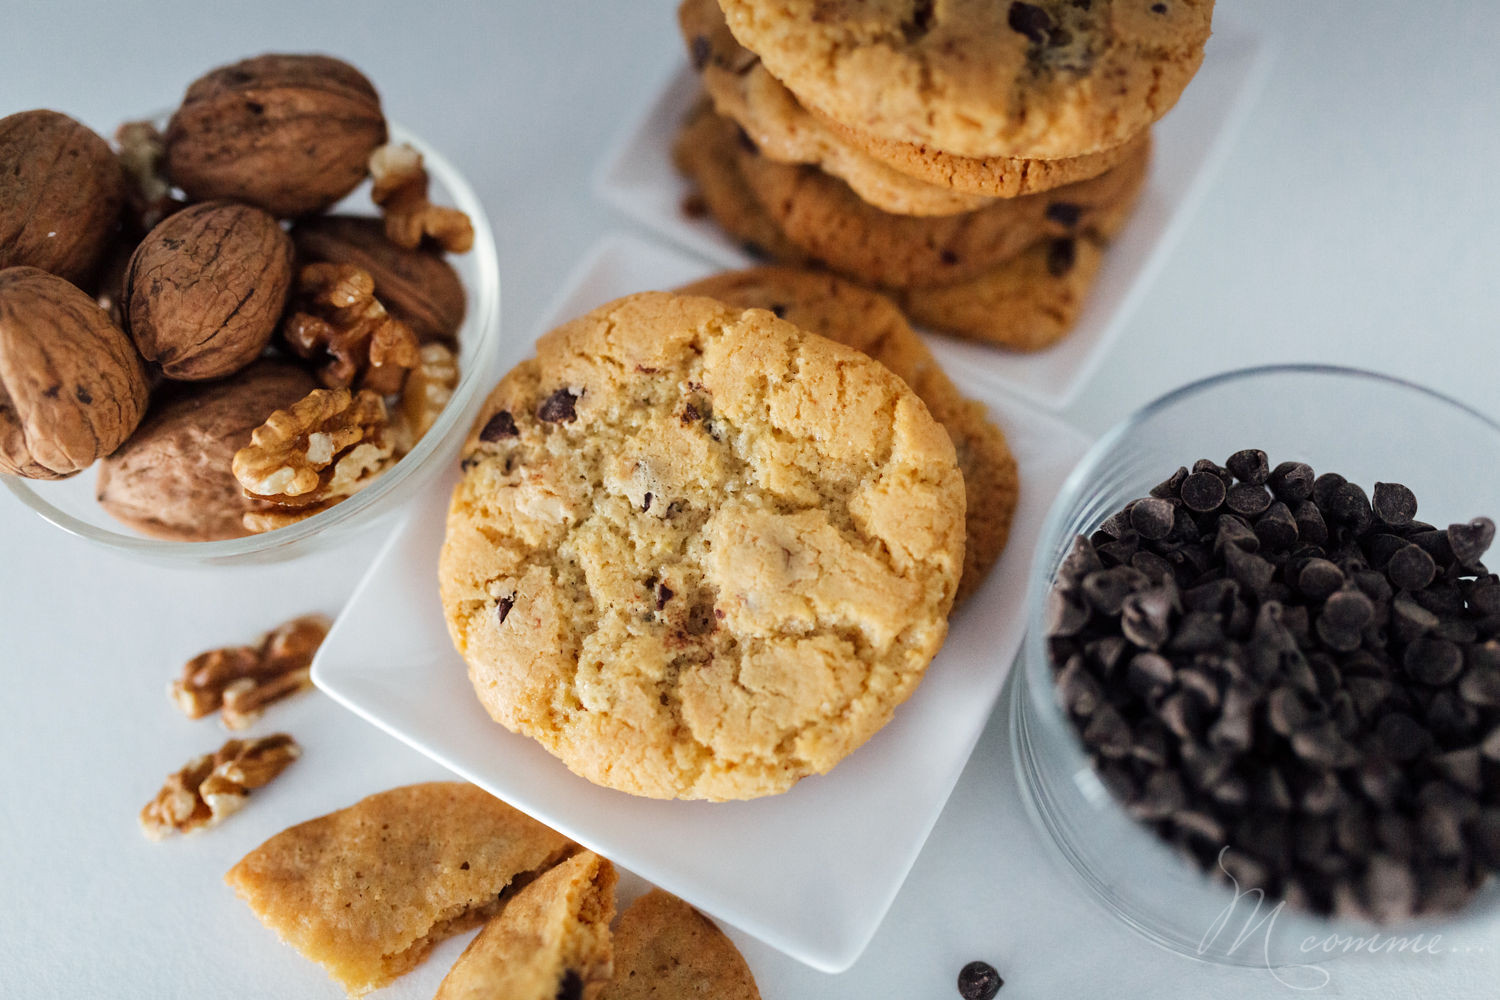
248 328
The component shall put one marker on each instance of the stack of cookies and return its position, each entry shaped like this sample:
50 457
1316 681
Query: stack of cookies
970 159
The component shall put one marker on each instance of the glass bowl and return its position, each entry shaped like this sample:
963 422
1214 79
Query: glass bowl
1364 426
70 503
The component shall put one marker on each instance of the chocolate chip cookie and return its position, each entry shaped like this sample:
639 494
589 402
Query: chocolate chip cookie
552 939
829 222
1044 80
369 890
867 321
900 178
666 950
697 552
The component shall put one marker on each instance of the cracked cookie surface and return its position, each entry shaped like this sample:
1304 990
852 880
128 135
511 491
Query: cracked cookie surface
1047 79
867 321
697 552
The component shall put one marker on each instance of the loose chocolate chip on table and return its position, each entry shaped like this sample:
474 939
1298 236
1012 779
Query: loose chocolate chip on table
1394 504
979 981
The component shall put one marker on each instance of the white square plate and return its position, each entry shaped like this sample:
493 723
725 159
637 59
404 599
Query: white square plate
639 179
810 872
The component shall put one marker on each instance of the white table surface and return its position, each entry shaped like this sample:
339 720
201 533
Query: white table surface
1356 220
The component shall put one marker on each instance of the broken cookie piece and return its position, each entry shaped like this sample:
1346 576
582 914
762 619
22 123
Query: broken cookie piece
367 891
551 940
666 950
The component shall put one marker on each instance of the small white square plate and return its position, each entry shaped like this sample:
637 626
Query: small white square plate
638 178
811 872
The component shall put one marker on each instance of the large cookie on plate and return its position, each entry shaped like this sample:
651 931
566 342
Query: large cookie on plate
697 552
867 321
1045 79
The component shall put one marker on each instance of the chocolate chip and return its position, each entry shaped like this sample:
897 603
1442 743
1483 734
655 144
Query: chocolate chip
690 414
1351 505
1031 21
1469 542
1171 487
1203 492
948 257
1247 498
501 425
1107 732
1291 482
1249 466
646 503
1481 686
1248 569
558 408
920 21
1149 673
1433 661
979 981
571 986
1080 561
1064 213
1325 486
1062 254
1311 527
663 595
1402 737
1394 504
503 606
1107 589
1277 528
1153 518
1410 567
1232 531
701 50
1145 617
1066 615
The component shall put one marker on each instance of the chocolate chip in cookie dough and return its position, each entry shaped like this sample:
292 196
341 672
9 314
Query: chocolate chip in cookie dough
701 50
502 425
571 987
1061 256
1064 213
503 606
1031 21
663 595
558 408
920 21
979 981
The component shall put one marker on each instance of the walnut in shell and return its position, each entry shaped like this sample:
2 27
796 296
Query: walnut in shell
172 479
205 289
418 286
72 387
61 191
291 134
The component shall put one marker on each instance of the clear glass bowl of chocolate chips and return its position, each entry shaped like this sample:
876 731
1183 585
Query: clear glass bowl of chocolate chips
244 329
1259 712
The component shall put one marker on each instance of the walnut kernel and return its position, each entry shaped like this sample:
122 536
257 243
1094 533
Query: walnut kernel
330 444
336 313
211 787
400 188
240 681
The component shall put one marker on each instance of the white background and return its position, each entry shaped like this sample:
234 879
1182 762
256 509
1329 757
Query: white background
1357 220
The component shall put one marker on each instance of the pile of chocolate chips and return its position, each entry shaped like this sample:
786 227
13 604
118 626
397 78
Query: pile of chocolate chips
1295 684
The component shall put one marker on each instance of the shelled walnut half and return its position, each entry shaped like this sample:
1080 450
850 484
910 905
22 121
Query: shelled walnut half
212 787
241 681
328 445
337 315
